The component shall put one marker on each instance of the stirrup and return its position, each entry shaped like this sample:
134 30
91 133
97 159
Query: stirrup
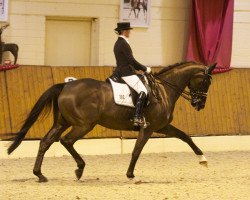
141 122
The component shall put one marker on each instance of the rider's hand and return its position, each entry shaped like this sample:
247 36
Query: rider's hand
148 71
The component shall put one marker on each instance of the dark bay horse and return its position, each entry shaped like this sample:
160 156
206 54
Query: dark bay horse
84 103
135 5
11 47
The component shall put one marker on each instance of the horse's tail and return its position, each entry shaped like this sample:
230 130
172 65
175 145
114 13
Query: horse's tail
44 103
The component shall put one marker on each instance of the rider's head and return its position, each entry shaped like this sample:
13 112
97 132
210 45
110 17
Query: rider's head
126 33
123 28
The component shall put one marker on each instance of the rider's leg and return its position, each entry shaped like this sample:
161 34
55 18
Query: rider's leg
140 103
134 82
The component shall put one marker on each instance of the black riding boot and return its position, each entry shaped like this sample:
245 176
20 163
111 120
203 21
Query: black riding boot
138 117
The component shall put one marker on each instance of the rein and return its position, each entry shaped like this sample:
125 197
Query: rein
185 94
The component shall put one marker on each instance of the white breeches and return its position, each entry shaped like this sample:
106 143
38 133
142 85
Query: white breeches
134 82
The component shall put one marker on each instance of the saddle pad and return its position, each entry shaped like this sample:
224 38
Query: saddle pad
122 95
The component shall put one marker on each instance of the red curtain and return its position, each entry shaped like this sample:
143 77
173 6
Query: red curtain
210 33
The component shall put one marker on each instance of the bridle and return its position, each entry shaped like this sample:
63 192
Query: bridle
195 95
201 91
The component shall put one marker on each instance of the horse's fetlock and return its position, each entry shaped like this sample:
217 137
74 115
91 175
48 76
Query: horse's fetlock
81 166
130 175
37 172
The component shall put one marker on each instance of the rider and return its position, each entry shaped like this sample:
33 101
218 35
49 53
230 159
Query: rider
126 65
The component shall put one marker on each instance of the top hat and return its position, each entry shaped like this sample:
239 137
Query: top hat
123 26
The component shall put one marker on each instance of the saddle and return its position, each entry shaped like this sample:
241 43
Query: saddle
127 96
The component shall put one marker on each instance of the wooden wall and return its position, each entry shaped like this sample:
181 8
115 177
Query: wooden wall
24 86
227 110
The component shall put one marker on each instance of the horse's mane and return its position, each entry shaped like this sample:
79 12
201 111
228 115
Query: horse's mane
169 67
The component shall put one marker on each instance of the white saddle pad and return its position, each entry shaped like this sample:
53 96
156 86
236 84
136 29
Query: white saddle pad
122 94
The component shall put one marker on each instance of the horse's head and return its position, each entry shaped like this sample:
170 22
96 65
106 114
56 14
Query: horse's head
3 27
199 85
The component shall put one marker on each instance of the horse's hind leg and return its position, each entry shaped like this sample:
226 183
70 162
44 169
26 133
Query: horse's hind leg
68 141
52 136
172 131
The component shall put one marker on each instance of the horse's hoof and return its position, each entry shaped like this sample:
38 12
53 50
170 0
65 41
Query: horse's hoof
204 163
135 180
78 173
138 181
130 176
42 179
203 160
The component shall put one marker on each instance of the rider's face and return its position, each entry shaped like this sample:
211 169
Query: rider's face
126 33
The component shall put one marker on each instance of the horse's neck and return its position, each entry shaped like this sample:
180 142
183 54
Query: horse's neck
178 78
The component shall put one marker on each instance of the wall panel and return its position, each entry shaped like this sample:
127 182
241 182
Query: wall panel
5 122
25 86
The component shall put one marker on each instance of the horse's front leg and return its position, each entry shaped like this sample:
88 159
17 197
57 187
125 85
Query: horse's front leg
172 131
142 139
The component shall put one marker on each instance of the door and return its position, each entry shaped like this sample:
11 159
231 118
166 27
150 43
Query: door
68 42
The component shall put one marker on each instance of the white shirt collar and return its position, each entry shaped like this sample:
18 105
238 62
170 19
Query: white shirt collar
125 38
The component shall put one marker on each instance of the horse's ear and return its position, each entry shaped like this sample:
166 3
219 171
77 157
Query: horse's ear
211 68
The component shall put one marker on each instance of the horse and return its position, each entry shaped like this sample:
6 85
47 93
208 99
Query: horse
135 5
11 47
84 103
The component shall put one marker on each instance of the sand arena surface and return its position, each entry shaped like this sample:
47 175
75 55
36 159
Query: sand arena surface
164 176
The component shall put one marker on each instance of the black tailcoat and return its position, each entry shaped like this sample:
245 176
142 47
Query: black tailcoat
125 61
